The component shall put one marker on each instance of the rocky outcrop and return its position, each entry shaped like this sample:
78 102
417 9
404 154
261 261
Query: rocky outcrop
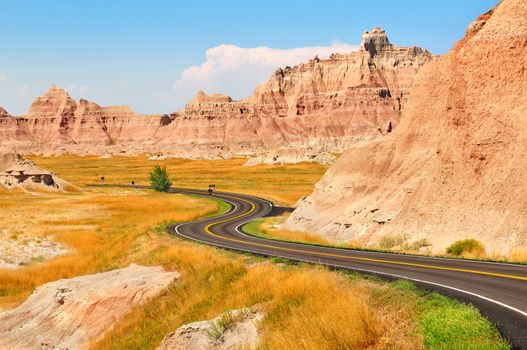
232 330
455 166
291 156
18 172
324 104
205 99
71 313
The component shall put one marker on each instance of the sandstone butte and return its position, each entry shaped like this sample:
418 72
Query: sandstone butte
456 166
324 104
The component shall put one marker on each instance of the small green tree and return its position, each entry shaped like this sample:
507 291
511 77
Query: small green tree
159 179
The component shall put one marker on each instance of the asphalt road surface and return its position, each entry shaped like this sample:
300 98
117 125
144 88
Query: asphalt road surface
498 290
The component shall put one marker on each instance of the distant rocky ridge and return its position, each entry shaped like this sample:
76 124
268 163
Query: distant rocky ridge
455 166
324 104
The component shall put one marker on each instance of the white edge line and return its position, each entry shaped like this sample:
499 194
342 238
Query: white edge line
361 270
367 251
176 229
384 253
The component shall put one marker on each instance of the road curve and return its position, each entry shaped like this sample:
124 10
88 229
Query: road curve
498 290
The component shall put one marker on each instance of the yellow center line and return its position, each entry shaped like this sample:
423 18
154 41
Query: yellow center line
393 262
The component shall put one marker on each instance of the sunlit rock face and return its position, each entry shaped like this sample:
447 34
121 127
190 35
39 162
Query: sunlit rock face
455 166
324 104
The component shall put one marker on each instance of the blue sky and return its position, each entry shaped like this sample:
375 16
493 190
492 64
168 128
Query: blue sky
155 55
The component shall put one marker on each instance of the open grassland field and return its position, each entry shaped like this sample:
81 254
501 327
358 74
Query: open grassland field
97 227
307 307
282 184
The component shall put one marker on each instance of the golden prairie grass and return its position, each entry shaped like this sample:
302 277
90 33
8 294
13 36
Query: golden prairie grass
281 184
108 228
306 308
97 227
519 255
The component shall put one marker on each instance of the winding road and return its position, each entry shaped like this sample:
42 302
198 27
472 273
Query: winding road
498 290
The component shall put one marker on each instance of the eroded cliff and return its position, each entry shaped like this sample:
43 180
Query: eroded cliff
455 166
324 104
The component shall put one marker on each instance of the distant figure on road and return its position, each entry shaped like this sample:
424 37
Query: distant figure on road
211 189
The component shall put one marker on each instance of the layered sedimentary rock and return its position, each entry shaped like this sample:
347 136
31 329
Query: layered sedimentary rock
456 165
18 172
324 104
56 123
72 313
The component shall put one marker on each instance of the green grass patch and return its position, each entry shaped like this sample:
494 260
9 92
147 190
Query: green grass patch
450 325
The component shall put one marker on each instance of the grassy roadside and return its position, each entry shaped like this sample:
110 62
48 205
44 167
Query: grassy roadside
267 228
444 323
449 324
322 308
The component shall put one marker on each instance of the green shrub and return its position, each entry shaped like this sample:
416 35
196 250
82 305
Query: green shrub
471 246
159 179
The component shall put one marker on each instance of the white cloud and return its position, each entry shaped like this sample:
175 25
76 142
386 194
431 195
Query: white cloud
236 71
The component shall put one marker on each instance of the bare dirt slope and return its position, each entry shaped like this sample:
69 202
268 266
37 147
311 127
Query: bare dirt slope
456 166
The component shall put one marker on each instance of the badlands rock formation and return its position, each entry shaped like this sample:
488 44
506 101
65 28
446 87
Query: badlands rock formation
15 171
70 313
324 104
233 330
291 156
456 165
55 123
